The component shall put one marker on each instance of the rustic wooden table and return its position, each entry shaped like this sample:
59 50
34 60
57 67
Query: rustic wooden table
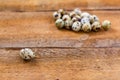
61 54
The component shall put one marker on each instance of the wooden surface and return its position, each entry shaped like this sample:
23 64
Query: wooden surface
37 29
61 54
43 5
62 64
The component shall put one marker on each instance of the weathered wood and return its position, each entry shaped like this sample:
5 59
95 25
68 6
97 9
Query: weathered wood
62 64
38 5
37 29
61 54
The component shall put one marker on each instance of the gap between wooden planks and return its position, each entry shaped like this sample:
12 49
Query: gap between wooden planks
38 5
37 29
62 64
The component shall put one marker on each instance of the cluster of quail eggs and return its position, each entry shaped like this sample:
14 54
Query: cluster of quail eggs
77 20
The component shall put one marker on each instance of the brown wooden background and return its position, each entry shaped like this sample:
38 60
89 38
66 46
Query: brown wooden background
62 54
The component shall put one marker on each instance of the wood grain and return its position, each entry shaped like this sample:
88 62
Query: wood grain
61 54
37 29
62 64
39 5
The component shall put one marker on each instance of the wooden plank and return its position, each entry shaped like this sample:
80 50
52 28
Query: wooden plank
38 5
62 64
37 29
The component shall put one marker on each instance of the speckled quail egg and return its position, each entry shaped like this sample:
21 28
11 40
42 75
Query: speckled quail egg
74 19
59 23
86 27
85 20
61 11
56 15
78 17
72 14
85 14
96 26
68 24
76 26
66 17
106 25
27 54
77 11
93 18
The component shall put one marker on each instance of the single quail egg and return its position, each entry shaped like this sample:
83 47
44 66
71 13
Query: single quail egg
86 27
85 14
106 25
93 18
68 24
59 23
78 17
77 11
85 20
56 15
96 26
76 26
72 14
27 54
74 19
66 17
61 11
